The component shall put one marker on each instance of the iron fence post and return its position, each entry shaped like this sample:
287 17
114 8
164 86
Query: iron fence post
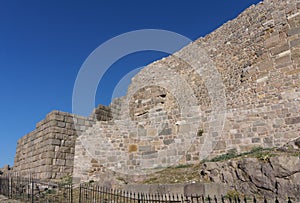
71 193
10 187
80 193
32 191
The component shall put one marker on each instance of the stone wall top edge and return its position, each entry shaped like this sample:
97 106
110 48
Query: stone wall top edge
220 30
226 29
52 116
62 113
26 136
216 38
226 25
57 112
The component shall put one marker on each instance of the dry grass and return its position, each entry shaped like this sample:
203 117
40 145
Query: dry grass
190 173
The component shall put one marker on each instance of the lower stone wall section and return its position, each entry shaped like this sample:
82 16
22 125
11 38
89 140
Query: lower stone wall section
48 151
211 189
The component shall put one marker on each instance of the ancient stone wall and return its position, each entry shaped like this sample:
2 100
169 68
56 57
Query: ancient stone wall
236 88
48 151
257 55
102 113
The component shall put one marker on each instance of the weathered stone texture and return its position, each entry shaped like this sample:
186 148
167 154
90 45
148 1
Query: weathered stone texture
236 88
48 151
257 56
275 177
102 113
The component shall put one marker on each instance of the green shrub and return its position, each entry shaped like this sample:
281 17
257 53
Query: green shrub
183 166
223 157
260 153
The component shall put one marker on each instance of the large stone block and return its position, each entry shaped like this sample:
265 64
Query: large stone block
293 120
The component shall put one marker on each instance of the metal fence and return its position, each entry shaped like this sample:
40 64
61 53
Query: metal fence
32 190
93 193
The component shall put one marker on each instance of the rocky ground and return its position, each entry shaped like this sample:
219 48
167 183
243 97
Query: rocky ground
264 172
4 199
273 176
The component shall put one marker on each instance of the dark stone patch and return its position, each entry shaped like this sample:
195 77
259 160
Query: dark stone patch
168 141
293 120
255 140
166 131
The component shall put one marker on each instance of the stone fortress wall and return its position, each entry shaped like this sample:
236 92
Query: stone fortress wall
48 151
236 88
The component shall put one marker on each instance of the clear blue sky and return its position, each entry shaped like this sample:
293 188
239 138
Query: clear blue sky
44 43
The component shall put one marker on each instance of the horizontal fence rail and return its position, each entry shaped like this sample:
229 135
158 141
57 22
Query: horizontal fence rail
33 190
94 193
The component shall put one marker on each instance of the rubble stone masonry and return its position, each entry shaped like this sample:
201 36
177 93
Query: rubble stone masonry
178 106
